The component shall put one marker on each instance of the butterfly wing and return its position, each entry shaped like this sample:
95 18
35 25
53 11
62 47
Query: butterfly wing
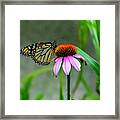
40 52
28 50
43 54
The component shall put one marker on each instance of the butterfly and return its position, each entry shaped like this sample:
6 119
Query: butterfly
40 52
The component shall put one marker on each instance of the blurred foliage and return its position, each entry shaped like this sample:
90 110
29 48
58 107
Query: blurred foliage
39 96
26 83
38 82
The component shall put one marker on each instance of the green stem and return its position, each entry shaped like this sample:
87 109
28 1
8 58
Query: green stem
61 86
68 87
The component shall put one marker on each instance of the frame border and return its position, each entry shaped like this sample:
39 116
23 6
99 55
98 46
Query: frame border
69 2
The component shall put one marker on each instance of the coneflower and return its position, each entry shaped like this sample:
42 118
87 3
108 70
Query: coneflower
67 57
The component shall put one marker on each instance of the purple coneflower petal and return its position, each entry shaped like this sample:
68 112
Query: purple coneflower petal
78 56
75 63
57 65
66 66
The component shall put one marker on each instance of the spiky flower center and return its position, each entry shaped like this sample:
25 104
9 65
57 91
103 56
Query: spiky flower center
65 50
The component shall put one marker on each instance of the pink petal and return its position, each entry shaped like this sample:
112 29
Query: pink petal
75 63
57 59
66 66
57 65
79 56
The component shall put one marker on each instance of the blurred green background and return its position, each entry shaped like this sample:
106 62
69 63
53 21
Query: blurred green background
38 82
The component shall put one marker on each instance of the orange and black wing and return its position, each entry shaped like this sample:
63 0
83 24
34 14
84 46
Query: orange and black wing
40 52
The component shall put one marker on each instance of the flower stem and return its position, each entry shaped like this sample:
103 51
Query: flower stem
68 87
61 97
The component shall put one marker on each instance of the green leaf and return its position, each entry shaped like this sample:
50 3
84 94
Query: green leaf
98 29
83 33
24 90
90 61
93 28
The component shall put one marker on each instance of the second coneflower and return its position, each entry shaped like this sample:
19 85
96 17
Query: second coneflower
67 57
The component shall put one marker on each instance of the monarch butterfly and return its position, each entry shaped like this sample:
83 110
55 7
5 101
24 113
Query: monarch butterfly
40 52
